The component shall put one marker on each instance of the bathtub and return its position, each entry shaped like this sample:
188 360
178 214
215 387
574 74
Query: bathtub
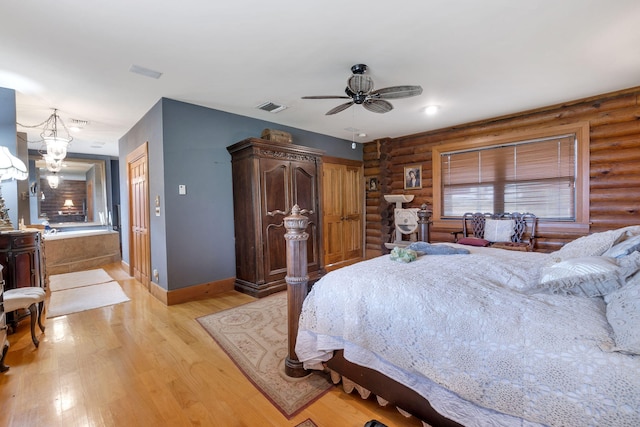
80 249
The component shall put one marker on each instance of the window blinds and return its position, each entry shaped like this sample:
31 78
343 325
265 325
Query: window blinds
535 176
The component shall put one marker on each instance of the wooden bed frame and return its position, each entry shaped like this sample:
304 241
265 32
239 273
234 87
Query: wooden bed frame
297 287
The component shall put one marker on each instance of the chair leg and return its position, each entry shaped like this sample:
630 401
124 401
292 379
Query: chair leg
33 308
40 313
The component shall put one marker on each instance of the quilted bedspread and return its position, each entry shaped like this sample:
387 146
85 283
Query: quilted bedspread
463 331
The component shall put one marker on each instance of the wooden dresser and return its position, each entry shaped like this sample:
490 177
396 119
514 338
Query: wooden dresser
21 257
268 179
4 343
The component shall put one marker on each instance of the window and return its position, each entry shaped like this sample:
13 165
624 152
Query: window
542 172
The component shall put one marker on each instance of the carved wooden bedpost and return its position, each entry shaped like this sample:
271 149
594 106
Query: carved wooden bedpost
297 280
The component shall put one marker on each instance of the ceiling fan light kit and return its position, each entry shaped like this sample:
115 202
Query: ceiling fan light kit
360 91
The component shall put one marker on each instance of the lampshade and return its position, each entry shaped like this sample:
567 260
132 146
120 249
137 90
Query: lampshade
11 167
68 203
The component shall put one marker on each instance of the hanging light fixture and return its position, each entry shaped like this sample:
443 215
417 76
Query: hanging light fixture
55 142
11 167
53 165
53 180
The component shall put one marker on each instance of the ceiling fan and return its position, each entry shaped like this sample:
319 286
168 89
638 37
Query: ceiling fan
360 91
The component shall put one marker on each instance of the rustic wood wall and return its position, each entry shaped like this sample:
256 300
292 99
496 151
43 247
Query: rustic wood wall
614 121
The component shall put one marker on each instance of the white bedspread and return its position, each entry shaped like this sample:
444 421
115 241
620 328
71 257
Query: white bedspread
458 326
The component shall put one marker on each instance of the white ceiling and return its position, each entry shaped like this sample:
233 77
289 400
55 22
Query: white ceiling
475 59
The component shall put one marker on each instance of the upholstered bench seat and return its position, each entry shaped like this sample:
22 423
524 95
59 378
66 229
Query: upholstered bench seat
28 298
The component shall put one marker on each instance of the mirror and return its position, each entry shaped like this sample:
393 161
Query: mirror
79 196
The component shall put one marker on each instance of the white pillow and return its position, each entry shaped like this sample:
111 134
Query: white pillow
499 230
623 314
594 244
591 276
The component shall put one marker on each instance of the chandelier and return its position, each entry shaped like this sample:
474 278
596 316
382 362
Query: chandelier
55 142
53 180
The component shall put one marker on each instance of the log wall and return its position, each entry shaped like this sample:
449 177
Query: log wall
614 121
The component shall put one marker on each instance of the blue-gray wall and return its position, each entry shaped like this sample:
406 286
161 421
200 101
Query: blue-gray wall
192 241
8 139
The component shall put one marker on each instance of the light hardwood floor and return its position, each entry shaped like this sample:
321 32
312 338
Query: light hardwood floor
142 363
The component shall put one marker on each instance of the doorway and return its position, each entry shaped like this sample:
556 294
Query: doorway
139 239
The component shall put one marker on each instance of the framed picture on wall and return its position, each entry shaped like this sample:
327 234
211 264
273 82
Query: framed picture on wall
412 177
373 184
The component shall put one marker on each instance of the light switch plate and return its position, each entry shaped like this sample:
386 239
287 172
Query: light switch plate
182 189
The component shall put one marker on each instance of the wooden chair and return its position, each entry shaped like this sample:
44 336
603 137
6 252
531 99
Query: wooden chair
473 225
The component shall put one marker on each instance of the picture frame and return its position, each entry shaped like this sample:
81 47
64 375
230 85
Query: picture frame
413 177
372 184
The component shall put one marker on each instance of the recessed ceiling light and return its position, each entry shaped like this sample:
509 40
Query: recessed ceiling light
431 109
362 135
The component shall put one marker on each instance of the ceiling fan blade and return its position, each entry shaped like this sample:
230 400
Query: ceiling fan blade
395 92
339 108
326 97
378 106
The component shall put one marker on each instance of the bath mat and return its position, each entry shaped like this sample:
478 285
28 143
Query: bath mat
59 282
254 335
85 298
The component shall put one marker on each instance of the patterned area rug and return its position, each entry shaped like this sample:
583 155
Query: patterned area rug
254 335
307 423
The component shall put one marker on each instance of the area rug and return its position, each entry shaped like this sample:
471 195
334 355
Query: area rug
254 335
85 298
307 423
76 279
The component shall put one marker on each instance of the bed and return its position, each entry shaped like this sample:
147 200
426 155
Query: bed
489 337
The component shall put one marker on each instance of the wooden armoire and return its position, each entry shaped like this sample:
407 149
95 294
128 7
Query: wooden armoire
269 178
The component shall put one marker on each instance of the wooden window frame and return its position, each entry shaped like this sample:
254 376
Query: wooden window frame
580 129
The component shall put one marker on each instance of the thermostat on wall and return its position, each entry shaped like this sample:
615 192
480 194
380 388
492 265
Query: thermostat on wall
182 189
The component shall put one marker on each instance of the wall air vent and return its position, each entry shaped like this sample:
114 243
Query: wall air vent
271 107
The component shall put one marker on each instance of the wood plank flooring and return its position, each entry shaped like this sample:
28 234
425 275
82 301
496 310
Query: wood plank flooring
142 363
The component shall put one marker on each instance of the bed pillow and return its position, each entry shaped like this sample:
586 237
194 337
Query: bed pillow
499 230
623 314
590 276
473 241
594 244
623 248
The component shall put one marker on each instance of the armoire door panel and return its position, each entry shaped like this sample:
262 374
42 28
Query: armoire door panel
275 185
304 182
275 251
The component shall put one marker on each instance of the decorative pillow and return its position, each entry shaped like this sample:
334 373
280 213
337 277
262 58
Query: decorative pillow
587 276
623 248
473 241
623 314
424 248
499 230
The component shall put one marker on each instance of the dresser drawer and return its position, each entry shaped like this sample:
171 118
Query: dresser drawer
23 241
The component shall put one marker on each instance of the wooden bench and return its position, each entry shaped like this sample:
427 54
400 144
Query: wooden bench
522 232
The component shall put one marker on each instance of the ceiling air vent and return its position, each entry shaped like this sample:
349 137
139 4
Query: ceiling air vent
271 107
